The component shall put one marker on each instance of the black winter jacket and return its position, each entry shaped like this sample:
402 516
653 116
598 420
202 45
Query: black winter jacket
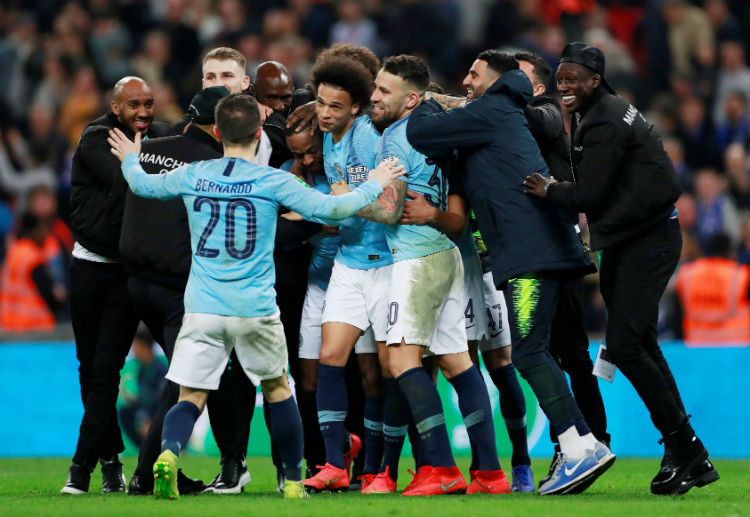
546 124
625 181
523 234
155 238
96 198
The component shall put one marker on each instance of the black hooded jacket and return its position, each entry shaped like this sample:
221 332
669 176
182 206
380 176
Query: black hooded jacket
97 194
155 239
523 234
625 181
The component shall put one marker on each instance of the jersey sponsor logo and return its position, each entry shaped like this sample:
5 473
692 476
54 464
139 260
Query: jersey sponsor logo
373 257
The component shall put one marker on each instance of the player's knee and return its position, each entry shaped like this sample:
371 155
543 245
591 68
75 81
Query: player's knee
497 358
276 390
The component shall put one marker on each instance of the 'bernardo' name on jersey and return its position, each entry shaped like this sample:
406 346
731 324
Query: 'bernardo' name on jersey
213 187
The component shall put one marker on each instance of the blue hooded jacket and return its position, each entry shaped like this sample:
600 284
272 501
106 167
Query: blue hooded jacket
523 234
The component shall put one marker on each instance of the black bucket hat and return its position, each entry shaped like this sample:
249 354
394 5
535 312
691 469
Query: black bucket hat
204 103
583 54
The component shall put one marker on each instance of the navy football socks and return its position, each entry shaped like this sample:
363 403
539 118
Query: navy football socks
286 433
427 411
474 403
395 422
178 426
513 409
373 433
332 404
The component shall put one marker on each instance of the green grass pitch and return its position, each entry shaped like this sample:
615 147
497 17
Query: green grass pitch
32 486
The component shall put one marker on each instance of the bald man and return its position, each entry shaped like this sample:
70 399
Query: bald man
104 321
273 86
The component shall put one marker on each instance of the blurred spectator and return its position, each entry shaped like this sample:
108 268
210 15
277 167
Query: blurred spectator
16 47
109 42
715 212
81 106
20 183
743 256
696 134
725 24
733 75
677 155
715 297
166 107
55 82
354 27
737 168
140 387
691 37
736 124
28 299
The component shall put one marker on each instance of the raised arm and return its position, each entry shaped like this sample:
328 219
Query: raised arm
387 208
156 186
431 129
312 204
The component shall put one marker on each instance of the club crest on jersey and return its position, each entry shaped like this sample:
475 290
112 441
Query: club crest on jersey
339 171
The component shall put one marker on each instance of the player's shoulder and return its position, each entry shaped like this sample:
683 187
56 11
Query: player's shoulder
363 129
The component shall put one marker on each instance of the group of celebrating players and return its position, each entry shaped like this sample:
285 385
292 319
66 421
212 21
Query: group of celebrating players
389 170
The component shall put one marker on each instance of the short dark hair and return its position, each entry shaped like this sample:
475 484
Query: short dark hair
498 61
540 68
237 118
347 74
363 55
411 69
719 245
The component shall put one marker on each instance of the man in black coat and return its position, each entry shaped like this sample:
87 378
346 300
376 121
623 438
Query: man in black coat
532 248
568 343
155 248
103 318
626 185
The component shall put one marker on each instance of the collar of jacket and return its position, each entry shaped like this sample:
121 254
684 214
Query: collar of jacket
203 137
597 94
515 84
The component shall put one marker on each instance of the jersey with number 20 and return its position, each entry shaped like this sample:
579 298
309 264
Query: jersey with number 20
232 205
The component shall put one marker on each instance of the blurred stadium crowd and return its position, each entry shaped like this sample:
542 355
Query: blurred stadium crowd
683 63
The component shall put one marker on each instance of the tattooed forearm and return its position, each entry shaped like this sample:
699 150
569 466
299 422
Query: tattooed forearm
446 101
387 208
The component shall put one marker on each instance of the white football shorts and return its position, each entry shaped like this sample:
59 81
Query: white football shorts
358 297
427 302
310 339
205 341
497 331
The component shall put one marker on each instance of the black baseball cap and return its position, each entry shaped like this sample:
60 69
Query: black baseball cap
204 103
581 53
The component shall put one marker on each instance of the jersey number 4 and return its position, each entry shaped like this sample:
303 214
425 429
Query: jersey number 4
230 216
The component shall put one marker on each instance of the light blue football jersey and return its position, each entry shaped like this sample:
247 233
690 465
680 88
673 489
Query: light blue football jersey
325 245
232 206
408 241
363 243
